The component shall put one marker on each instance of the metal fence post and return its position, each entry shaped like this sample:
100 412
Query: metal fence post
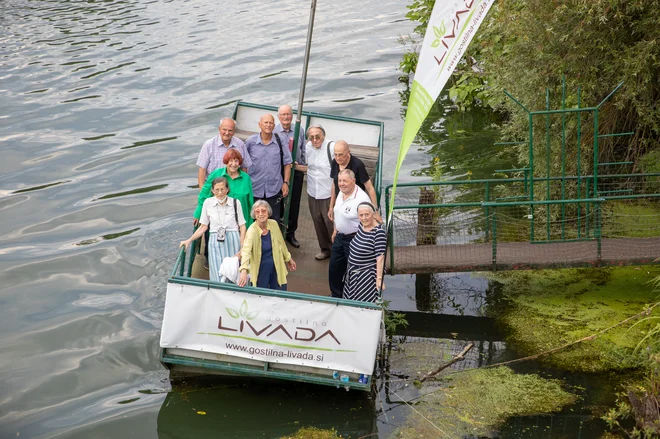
487 210
598 231
390 227
494 253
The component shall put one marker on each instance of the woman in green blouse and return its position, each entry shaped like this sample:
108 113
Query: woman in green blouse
240 185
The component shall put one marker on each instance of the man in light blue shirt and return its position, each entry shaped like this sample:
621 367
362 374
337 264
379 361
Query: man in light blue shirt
271 166
285 131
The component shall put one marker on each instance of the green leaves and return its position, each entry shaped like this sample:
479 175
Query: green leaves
242 312
525 46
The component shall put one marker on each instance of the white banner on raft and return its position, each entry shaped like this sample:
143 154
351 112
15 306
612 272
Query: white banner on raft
273 329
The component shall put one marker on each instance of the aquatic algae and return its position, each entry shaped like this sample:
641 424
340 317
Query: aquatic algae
474 403
542 310
313 433
419 356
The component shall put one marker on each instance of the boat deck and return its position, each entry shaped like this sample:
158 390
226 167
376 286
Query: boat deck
311 276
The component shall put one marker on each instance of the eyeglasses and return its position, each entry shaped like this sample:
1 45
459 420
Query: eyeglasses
316 137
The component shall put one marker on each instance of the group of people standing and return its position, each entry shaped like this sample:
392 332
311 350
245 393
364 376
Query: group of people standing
241 204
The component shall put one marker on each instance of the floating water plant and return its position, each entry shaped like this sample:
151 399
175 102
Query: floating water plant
542 310
474 403
313 433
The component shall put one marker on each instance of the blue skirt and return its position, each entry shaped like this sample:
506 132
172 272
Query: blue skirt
220 250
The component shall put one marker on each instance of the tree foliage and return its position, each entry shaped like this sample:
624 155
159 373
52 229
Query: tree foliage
525 46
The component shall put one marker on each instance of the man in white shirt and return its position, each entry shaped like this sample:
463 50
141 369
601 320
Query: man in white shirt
317 160
346 223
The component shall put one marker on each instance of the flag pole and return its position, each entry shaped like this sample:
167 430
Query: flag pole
301 98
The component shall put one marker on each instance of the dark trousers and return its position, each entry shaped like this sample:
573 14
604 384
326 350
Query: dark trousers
268 276
207 234
338 263
275 202
318 209
294 210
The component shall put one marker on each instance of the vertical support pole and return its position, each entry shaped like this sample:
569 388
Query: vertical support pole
494 252
390 229
487 210
547 163
598 231
299 110
587 190
531 174
193 252
595 194
563 155
579 141
182 262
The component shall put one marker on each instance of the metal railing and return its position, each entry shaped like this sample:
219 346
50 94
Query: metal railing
477 216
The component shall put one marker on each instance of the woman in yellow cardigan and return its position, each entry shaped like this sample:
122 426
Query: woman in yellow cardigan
264 254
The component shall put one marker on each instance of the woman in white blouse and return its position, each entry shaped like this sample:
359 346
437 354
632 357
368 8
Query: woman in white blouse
319 153
223 216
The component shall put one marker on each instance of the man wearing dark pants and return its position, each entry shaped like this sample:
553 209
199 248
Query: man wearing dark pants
346 224
286 133
271 166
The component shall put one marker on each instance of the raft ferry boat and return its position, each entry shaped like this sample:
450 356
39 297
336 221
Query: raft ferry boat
298 335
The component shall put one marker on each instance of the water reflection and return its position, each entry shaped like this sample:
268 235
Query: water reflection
239 408
441 293
43 186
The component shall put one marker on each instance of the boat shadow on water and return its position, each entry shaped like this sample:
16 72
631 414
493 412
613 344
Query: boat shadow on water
250 407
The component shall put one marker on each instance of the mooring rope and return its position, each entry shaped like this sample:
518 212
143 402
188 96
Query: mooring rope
647 311
423 417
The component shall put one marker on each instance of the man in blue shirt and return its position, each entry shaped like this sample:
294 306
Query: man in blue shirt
285 131
271 166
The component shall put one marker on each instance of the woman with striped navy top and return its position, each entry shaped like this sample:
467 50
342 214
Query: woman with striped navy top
366 258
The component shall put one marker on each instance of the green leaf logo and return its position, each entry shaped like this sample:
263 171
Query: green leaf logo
439 32
242 312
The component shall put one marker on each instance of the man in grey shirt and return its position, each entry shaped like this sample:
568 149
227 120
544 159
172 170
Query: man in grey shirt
285 131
